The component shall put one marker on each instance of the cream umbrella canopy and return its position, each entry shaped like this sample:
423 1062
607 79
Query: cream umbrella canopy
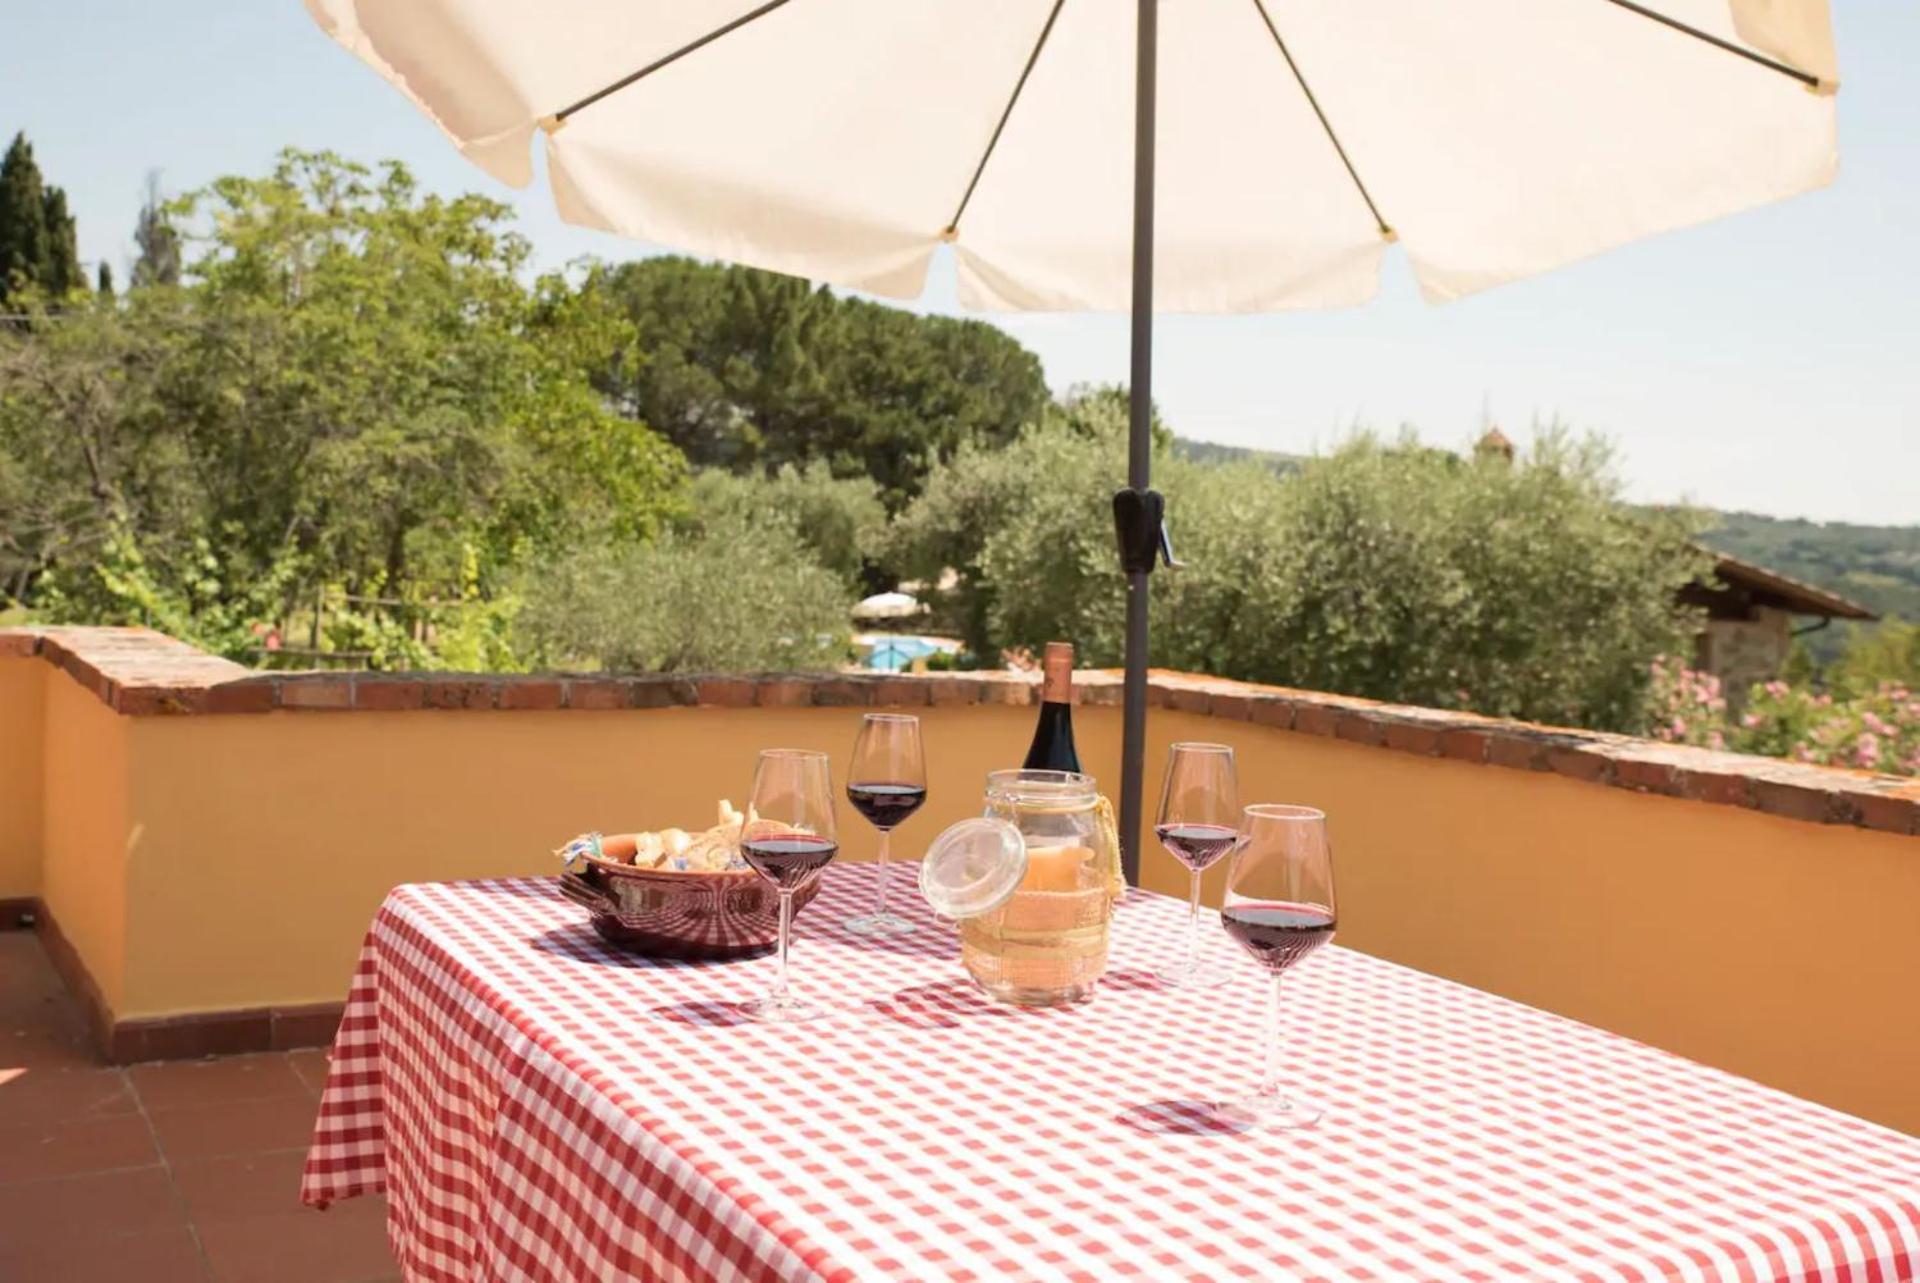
1201 156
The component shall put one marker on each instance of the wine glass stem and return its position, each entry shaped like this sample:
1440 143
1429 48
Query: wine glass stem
1270 1080
886 836
786 929
1193 923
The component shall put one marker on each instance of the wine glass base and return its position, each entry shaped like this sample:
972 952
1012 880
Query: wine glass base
1179 975
880 924
1277 1113
787 1010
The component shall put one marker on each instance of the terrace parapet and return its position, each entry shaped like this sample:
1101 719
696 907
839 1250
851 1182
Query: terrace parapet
141 673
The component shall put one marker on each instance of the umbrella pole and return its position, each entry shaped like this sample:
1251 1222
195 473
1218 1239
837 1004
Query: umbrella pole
1133 742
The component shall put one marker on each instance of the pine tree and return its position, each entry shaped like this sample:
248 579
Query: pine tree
23 220
63 273
104 281
159 242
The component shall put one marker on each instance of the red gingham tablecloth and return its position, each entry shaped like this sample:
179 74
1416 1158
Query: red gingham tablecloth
538 1106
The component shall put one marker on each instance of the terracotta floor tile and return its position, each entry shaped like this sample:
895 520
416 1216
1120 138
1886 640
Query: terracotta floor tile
345 1244
238 1127
162 1256
180 1084
51 1035
241 1184
140 1200
311 1064
37 1151
25 973
35 1094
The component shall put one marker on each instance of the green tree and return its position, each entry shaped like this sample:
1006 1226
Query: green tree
157 240
25 249
1027 527
1888 653
37 239
103 280
748 369
63 273
353 389
839 520
1387 570
733 595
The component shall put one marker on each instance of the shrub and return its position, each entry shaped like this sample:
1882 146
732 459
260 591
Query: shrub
840 519
731 596
1685 706
1875 731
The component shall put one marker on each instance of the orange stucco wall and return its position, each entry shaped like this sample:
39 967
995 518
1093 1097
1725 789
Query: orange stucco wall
88 837
23 686
252 851
286 829
1780 950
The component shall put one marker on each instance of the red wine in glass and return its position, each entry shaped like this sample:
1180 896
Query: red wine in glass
886 805
1197 846
1276 933
789 860
889 774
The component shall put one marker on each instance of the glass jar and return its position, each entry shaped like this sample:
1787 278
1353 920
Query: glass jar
1046 944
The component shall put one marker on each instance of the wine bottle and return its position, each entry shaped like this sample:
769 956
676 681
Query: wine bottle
1052 748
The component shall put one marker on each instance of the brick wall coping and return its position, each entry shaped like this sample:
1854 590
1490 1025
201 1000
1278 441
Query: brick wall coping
141 673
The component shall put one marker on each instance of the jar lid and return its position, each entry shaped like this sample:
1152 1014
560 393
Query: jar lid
973 867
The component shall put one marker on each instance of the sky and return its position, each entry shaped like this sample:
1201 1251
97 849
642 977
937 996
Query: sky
1768 362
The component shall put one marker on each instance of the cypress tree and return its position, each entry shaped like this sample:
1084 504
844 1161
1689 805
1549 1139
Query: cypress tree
63 273
104 282
24 256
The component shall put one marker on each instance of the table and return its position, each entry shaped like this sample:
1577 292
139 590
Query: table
538 1106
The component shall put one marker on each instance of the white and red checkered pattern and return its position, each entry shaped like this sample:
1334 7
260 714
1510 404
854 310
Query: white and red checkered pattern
538 1106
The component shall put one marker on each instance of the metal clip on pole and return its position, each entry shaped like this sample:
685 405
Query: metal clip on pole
1139 521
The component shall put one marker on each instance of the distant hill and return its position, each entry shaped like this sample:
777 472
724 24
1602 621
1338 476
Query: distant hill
1214 452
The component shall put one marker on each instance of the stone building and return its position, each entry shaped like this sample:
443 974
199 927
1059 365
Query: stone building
1750 619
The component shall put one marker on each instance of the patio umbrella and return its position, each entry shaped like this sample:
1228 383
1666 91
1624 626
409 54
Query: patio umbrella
886 605
1245 155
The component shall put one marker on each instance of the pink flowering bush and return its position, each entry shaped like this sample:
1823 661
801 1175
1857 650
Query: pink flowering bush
1876 730
1687 706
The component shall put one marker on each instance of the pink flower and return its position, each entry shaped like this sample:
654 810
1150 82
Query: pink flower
1775 689
1802 753
1679 727
1866 750
1716 740
1750 720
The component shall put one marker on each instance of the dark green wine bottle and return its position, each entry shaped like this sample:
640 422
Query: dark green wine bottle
1052 748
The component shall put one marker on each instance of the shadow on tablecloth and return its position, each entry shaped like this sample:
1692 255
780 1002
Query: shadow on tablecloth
1178 1118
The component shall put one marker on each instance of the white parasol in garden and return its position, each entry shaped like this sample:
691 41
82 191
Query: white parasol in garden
887 605
1222 156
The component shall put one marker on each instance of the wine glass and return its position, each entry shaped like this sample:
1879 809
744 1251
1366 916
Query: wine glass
886 783
1279 906
1199 806
787 838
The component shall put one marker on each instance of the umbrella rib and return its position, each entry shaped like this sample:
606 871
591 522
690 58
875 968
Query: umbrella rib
1313 102
560 116
1806 78
953 224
